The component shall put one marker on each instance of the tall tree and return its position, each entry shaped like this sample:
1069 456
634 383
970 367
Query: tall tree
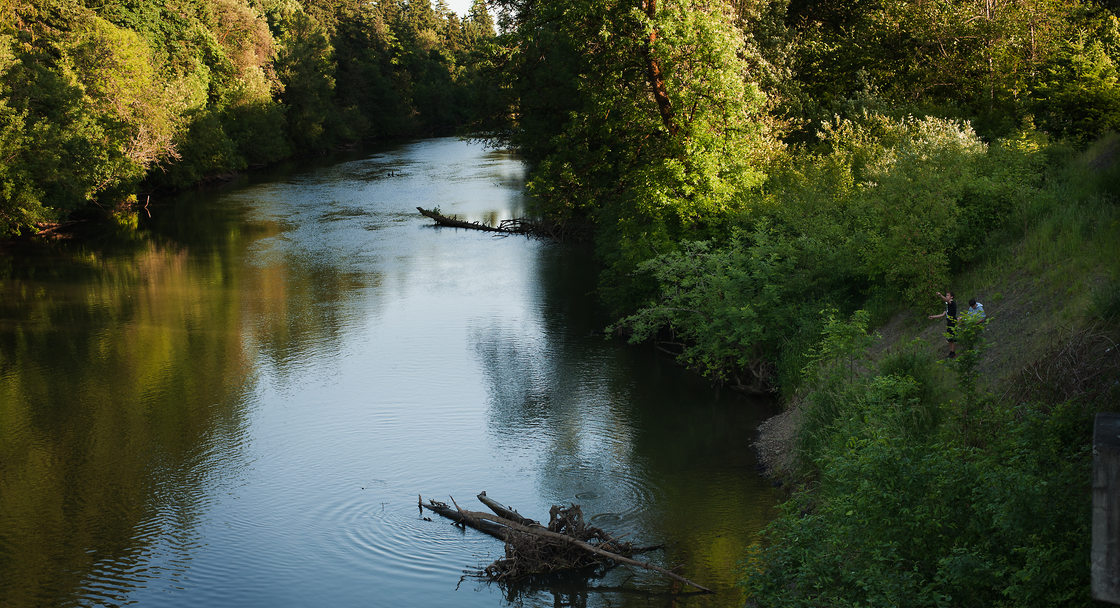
650 129
478 24
977 58
305 65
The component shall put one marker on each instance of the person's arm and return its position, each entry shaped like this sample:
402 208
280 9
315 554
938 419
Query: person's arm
945 298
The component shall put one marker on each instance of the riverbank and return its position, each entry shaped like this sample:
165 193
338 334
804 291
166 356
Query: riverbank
1040 347
1053 306
914 476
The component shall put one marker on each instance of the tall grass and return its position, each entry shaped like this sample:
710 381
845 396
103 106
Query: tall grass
1068 247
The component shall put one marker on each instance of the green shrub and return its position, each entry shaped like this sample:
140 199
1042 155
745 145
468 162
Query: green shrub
260 131
206 150
993 204
905 519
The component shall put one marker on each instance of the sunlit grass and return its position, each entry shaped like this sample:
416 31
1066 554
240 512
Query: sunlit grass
1062 274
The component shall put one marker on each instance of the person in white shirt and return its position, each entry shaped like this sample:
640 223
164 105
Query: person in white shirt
976 310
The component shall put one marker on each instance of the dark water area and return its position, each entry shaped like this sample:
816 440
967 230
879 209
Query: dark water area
240 404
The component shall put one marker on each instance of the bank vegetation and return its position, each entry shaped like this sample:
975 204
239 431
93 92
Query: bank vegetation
104 102
777 190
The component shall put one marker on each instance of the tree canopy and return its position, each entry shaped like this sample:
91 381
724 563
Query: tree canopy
100 99
752 173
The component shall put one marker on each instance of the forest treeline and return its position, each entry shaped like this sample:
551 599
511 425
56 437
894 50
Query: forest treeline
767 182
100 99
742 164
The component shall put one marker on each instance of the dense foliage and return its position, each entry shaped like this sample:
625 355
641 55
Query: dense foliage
744 165
924 500
640 118
741 165
882 206
101 98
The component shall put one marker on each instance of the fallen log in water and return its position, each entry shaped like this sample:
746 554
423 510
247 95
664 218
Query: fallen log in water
452 222
531 548
511 226
493 529
560 518
506 512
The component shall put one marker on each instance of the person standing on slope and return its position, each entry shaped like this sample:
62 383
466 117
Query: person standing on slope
950 315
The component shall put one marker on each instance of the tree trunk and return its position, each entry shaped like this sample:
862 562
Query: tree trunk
655 75
506 512
451 222
543 532
499 532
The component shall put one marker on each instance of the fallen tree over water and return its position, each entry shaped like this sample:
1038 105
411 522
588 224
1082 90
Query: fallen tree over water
453 222
532 549
511 226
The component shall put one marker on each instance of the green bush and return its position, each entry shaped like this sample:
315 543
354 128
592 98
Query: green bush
994 202
919 499
729 308
1106 300
258 129
913 519
879 215
206 151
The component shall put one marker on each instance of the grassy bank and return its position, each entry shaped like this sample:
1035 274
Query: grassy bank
925 481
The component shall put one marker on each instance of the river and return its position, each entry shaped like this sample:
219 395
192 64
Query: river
240 403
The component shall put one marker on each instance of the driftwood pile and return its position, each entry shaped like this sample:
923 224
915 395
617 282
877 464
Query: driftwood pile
566 544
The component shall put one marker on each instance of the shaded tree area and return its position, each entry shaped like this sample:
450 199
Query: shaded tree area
741 164
101 98
754 172
997 63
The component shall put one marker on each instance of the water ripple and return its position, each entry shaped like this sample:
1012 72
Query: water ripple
399 541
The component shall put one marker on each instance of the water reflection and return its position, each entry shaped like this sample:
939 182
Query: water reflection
647 451
240 406
97 473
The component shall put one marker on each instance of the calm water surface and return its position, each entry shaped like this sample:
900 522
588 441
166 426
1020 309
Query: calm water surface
241 406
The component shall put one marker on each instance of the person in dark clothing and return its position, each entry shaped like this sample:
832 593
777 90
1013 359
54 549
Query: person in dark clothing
950 315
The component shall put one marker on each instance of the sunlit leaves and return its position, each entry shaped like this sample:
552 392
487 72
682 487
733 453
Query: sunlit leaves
19 199
92 99
643 122
726 307
886 206
912 177
114 68
93 114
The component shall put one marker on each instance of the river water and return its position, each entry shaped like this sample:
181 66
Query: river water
240 404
